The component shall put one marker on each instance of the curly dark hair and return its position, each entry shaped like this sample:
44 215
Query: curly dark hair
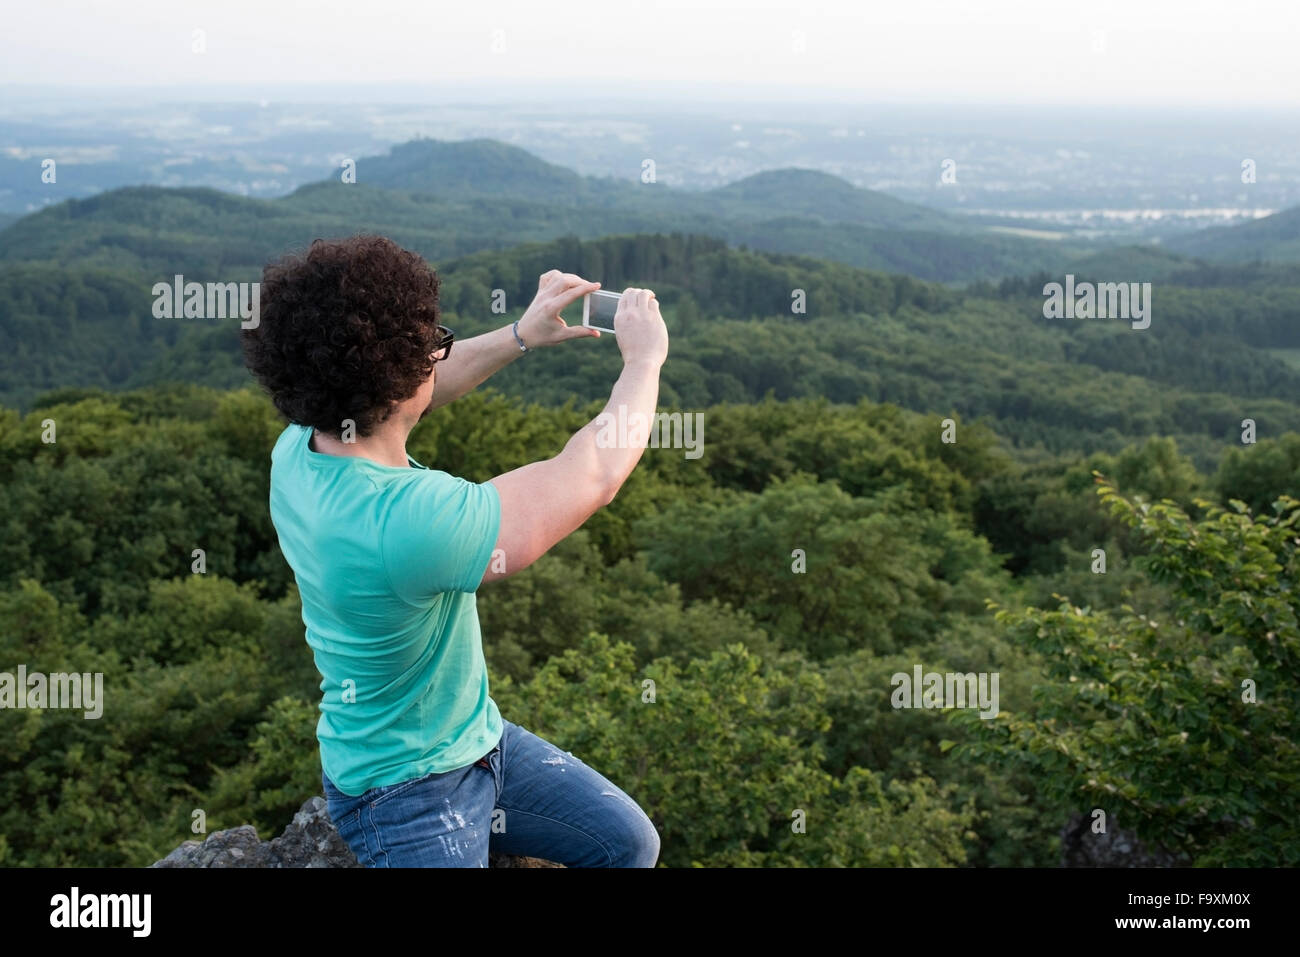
345 331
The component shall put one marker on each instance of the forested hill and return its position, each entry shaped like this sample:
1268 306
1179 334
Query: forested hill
1213 355
482 169
76 300
1273 238
489 169
804 192
462 197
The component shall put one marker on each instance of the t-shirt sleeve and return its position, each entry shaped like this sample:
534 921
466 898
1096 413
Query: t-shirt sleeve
438 533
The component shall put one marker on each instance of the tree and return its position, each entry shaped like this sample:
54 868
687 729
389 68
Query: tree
721 755
1185 728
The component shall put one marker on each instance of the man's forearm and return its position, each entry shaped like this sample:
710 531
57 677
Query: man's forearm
637 393
471 362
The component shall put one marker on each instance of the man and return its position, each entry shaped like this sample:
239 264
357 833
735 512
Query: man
418 765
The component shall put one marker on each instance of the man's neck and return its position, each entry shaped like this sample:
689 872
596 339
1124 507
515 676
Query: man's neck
386 445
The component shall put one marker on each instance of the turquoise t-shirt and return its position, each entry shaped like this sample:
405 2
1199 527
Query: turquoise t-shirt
387 560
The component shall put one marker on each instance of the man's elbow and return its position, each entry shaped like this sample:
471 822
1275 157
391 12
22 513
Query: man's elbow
604 483
606 492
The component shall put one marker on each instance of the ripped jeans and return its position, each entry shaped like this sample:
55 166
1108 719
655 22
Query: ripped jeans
524 797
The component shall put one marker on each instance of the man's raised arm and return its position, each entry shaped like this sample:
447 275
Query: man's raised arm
546 501
472 361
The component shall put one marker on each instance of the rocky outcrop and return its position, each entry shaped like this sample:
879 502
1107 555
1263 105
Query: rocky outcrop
310 840
1080 847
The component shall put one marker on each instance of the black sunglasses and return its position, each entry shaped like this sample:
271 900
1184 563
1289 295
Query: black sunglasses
445 338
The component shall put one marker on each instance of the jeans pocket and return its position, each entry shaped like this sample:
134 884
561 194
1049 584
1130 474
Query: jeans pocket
348 825
338 804
491 762
377 796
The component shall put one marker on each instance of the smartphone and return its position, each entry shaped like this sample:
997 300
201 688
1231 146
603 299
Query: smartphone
598 309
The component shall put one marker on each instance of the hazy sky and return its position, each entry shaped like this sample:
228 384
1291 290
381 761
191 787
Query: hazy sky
1242 53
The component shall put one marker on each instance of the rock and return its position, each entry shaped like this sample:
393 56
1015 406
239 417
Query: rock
506 860
310 840
1080 847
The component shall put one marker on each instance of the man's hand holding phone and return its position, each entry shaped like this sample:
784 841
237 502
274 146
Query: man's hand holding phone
541 324
642 335
632 315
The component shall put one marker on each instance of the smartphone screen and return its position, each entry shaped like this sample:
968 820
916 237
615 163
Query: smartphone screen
599 308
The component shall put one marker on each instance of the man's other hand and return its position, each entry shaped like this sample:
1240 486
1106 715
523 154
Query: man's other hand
542 325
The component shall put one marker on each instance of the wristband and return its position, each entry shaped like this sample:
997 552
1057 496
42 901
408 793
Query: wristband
515 330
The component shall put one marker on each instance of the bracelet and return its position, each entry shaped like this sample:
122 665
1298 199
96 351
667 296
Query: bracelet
515 330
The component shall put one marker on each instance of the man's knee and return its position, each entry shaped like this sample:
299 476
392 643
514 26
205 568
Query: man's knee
637 844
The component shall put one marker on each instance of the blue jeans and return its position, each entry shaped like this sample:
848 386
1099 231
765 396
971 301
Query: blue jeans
524 797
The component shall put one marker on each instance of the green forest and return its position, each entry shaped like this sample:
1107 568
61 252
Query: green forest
898 470
1119 690
1214 355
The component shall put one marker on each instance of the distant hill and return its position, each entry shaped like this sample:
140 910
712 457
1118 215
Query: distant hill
484 195
1274 238
143 227
483 169
810 193
156 230
489 169
1131 264
1150 263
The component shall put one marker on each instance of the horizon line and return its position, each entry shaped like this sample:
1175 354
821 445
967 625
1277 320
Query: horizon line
395 93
